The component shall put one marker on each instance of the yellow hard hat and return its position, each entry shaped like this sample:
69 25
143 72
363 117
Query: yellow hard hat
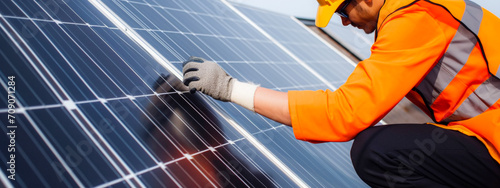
325 11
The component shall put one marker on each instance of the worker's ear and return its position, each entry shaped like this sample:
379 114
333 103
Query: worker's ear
368 2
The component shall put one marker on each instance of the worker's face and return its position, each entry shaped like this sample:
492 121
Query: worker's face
361 15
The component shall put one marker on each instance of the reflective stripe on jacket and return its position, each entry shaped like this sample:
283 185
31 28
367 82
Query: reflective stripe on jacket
459 75
465 81
446 61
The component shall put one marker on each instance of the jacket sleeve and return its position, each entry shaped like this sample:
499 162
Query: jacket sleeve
408 45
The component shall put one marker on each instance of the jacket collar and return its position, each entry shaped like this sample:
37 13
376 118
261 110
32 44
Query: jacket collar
389 7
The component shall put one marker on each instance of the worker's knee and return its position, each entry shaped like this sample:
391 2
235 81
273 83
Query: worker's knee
364 153
381 155
372 154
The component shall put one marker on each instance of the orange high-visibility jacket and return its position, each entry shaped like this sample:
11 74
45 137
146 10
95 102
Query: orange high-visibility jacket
443 55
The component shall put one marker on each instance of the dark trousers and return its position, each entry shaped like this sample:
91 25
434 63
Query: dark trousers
422 155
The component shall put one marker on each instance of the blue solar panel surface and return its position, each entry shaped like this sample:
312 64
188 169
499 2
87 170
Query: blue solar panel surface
95 107
307 47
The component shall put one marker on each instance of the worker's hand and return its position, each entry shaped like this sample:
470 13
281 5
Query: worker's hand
207 77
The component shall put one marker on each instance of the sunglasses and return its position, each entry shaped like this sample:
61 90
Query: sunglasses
341 12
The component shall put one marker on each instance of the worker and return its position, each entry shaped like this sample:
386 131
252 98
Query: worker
443 55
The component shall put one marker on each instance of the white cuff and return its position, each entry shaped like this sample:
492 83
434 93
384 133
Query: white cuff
243 94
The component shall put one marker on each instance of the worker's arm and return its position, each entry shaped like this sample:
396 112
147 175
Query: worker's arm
272 104
209 78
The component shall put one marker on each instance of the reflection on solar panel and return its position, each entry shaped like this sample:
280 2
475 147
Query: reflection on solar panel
306 47
355 40
98 100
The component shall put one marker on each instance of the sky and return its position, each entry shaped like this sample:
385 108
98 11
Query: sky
308 8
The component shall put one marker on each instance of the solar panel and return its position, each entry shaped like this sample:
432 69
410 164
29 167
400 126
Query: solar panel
325 61
99 101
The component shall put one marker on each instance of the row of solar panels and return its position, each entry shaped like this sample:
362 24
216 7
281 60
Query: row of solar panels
98 99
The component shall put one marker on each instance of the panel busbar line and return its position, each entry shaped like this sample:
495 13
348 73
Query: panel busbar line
98 106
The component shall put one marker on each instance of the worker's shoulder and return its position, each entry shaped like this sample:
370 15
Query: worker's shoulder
412 29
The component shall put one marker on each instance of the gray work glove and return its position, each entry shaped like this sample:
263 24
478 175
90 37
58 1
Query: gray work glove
207 77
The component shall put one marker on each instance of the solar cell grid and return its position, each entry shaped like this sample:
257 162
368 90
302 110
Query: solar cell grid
31 144
233 64
14 62
9 8
93 168
97 109
69 57
85 107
